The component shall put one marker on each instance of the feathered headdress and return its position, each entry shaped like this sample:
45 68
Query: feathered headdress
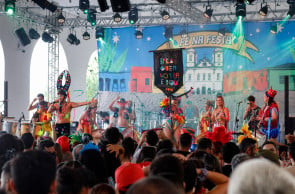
219 134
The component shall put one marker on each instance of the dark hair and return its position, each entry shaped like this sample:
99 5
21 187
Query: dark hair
28 140
269 155
45 143
190 175
269 142
251 98
204 143
76 151
112 135
40 95
129 146
152 138
209 160
33 172
246 143
168 167
185 140
6 172
93 160
229 150
153 185
165 144
147 153
292 150
102 189
238 159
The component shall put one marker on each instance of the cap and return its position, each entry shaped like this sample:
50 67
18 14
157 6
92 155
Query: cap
64 143
271 93
127 174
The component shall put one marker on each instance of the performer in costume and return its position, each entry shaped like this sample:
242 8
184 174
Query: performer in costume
220 115
270 118
42 117
205 120
40 98
87 120
252 114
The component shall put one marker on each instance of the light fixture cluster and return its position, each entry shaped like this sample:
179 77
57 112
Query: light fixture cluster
291 11
72 39
44 4
9 7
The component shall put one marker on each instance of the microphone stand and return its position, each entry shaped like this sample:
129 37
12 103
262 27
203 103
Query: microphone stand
142 108
237 118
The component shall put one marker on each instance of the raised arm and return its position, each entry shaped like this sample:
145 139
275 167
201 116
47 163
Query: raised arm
32 105
112 104
78 104
51 108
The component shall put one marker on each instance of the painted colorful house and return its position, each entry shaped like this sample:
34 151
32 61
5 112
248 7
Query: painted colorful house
115 82
276 76
141 79
244 81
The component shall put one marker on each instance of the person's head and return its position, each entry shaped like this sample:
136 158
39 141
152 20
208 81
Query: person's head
40 97
147 153
238 159
46 145
251 100
248 146
165 144
28 141
64 143
208 105
76 151
270 146
102 189
229 150
190 175
269 155
210 161
260 176
205 144
219 101
62 95
161 134
269 96
153 185
6 176
112 135
127 174
185 141
175 102
122 102
170 168
33 172
129 146
152 138
104 116
43 106
292 150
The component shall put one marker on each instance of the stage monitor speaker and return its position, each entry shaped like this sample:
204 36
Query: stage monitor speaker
22 36
291 126
120 5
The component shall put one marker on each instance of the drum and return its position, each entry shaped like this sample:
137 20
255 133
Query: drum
261 139
10 126
38 129
25 127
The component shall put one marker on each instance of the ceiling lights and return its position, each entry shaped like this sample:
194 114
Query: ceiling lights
208 12
133 15
165 15
117 17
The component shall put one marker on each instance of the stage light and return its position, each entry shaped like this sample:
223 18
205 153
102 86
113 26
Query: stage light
133 15
241 10
9 7
117 18
169 32
99 33
138 34
84 6
60 18
22 36
33 34
249 1
44 4
291 11
91 17
274 29
120 5
263 10
103 5
72 39
86 35
165 15
221 32
209 11
47 38
161 1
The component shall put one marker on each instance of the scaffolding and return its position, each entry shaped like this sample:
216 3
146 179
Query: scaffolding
53 67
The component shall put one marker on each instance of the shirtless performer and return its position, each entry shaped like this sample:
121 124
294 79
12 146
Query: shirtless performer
87 122
63 112
220 115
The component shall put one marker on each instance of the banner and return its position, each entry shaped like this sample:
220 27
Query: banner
168 70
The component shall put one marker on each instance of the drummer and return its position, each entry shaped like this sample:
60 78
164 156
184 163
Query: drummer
34 104
42 117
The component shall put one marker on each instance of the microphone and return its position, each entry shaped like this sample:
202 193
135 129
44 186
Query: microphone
240 102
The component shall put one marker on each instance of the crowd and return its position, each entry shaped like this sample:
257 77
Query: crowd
151 166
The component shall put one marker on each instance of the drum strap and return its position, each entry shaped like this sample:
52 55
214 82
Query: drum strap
269 123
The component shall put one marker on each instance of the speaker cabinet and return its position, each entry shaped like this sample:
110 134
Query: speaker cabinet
22 36
120 5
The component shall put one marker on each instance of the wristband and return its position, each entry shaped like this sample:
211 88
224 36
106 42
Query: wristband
203 175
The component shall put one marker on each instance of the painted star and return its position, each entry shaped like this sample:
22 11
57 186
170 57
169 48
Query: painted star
99 50
241 66
148 38
279 27
268 58
137 49
116 38
257 30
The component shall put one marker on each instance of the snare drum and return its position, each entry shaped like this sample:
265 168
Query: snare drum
10 126
25 127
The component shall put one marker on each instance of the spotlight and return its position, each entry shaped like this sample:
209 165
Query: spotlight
86 35
60 18
263 10
120 6
103 5
209 11
9 7
165 15
99 33
169 32
44 4
33 34
249 1
117 18
84 6
274 29
291 11
241 9
133 15
72 39
91 17
138 34
161 1
47 38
